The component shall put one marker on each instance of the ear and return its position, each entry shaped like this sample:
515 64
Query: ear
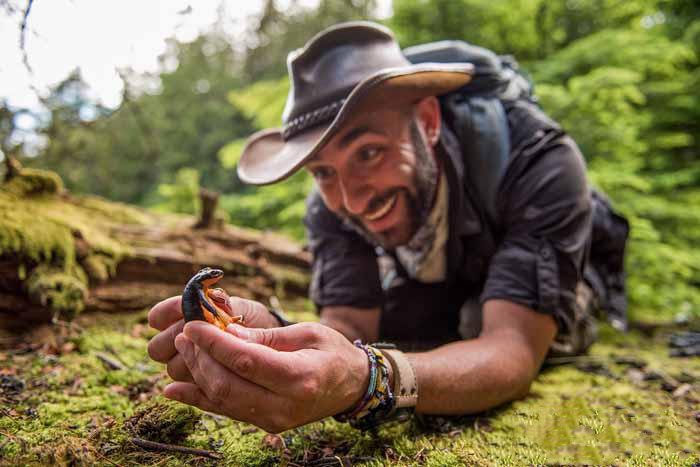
427 110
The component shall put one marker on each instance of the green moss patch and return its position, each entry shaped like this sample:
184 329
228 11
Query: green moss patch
163 421
35 182
60 241
75 409
61 289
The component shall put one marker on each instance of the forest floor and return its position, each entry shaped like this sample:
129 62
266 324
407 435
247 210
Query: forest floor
71 401
85 392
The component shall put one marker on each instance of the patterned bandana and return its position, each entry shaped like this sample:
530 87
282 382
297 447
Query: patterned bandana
425 257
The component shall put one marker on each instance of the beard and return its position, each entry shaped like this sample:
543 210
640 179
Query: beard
418 205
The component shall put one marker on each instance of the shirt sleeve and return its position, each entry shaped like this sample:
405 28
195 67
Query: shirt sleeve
344 270
546 207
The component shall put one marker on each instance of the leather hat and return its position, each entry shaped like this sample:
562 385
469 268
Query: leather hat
345 69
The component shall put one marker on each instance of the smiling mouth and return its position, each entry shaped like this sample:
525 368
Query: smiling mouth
383 209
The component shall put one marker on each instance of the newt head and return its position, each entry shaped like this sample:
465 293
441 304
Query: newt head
208 276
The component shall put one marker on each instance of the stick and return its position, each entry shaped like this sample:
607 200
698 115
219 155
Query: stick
153 446
102 456
574 359
22 31
110 362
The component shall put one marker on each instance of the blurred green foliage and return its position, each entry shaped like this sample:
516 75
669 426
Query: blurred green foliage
621 77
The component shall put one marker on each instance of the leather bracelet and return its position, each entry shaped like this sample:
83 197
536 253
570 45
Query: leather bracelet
405 387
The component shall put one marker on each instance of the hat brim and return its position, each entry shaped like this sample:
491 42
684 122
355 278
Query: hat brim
267 158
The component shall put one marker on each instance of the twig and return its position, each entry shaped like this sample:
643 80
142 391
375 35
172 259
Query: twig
573 359
111 363
71 325
153 446
102 456
22 31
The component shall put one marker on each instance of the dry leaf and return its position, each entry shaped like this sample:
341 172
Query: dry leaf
274 441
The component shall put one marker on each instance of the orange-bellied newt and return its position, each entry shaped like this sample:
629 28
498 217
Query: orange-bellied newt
199 304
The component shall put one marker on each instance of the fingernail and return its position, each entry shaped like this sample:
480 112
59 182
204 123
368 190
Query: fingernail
191 326
238 331
218 294
180 343
169 392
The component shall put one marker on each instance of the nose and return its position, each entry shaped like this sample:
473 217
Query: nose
356 194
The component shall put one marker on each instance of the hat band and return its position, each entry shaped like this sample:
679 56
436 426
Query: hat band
312 118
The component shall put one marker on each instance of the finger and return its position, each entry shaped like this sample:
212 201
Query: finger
221 298
255 313
161 347
165 313
190 394
242 397
177 369
261 365
285 339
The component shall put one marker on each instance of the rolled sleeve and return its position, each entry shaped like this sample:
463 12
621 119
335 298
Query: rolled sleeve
344 270
546 206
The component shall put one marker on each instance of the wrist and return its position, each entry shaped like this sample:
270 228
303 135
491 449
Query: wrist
377 401
358 387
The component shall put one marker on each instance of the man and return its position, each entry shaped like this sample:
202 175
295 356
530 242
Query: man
476 299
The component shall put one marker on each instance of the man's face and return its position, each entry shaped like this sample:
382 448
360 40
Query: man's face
379 173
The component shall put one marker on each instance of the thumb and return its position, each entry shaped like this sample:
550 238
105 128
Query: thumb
285 339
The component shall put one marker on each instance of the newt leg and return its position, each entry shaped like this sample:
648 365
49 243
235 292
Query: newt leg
214 314
215 301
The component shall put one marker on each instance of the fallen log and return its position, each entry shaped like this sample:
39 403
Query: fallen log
157 258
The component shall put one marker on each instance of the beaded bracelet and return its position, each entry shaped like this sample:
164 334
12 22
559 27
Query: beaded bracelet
378 400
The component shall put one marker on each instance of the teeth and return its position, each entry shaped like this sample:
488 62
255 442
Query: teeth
383 210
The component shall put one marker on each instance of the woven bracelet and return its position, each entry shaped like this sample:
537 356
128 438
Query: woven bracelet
378 401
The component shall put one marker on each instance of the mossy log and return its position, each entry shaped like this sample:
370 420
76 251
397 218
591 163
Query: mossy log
160 262
61 254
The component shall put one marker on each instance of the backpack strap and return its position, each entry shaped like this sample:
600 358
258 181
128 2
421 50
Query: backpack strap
481 127
494 116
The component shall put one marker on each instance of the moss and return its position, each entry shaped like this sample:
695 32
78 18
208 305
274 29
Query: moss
24 233
570 417
35 182
163 421
42 231
114 211
99 267
61 289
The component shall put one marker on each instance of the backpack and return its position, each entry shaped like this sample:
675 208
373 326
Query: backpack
495 116
479 113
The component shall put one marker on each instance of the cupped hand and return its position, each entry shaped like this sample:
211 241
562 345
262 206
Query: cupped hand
276 379
166 317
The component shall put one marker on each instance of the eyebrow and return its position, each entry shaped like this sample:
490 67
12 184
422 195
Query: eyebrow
349 138
355 133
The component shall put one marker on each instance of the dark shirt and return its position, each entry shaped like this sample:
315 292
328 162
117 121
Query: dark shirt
533 254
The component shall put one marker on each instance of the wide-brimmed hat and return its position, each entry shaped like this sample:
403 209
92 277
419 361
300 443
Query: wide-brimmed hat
345 69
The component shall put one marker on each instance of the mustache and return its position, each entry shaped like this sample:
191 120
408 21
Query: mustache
375 203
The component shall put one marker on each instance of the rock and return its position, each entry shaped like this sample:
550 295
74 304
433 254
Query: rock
275 442
636 376
682 390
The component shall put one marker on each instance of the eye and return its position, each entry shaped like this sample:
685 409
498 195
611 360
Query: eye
369 154
322 173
